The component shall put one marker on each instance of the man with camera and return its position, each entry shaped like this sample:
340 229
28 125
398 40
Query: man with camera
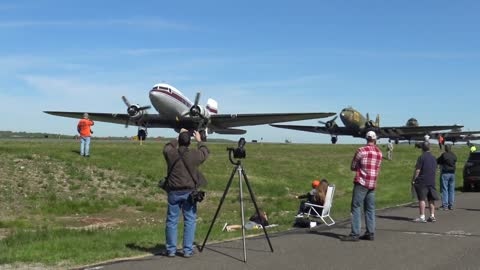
182 183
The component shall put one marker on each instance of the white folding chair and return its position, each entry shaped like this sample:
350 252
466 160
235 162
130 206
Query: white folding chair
324 215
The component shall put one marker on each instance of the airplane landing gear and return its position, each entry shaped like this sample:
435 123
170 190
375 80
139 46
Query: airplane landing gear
396 141
334 139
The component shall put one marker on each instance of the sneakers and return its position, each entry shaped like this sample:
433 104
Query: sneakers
431 219
420 220
188 255
368 236
224 227
443 208
170 255
350 238
450 208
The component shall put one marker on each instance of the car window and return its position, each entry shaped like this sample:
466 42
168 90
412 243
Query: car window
474 157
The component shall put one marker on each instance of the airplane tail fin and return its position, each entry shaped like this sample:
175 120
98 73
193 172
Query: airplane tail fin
212 106
377 120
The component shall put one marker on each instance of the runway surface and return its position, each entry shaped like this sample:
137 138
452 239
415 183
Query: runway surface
453 242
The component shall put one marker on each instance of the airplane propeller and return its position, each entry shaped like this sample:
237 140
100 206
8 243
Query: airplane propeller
134 110
330 123
195 110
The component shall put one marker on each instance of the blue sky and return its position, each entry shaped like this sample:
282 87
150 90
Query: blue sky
399 59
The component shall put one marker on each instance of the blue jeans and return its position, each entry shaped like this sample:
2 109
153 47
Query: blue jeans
448 189
179 200
84 146
366 197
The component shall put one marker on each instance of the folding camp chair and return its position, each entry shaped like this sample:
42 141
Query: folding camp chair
324 215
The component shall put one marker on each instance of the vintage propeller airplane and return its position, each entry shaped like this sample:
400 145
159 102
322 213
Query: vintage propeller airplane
454 135
357 125
176 111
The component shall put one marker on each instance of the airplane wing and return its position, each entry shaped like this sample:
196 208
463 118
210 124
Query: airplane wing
153 120
414 130
318 129
457 136
219 121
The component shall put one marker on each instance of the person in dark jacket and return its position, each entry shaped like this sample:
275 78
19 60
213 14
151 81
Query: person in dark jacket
447 162
183 178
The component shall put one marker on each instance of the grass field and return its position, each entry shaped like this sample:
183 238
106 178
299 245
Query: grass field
61 210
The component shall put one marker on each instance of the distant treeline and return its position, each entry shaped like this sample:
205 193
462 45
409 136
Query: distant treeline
39 135
13 134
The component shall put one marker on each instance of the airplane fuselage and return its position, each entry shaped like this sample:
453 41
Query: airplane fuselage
352 119
169 101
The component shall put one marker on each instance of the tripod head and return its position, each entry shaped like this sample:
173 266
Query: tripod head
237 153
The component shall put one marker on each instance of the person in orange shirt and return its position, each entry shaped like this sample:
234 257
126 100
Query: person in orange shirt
441 141
83 128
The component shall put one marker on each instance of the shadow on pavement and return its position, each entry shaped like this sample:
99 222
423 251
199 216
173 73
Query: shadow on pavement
397 218
156 250
469 209
328 234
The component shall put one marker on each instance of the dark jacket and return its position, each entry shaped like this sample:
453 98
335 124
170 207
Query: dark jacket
179 178
447 161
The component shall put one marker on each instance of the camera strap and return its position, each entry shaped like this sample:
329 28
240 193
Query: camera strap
190 173
171 168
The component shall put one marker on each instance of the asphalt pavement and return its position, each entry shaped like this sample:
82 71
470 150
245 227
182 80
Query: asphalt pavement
453 242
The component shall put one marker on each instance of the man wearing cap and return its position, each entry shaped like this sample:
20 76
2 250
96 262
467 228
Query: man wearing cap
83 128
366 165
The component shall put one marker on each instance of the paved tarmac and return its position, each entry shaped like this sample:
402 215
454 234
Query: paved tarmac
453 242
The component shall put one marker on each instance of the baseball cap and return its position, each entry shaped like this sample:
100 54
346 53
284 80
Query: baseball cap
371 135
315 183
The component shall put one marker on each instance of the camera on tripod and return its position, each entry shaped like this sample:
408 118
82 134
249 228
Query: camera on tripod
240 151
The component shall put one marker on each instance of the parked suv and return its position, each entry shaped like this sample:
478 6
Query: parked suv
471 172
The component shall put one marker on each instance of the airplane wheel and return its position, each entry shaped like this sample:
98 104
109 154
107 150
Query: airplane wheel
334 140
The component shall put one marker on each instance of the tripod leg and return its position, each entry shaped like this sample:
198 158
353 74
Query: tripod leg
256 206
240 174
219 207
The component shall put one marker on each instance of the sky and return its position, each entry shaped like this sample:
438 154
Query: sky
399 59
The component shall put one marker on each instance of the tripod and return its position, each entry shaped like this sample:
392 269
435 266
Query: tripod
242 176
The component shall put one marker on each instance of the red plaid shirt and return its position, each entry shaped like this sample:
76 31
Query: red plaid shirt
366 164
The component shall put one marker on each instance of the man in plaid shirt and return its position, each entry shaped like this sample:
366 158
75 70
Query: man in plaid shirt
366 164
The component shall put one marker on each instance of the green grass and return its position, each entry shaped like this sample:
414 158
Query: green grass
45 204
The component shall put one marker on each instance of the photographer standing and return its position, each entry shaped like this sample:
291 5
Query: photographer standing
183 178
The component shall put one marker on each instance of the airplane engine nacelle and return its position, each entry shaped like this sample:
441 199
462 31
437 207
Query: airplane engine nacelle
330 124
370 124
135 112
